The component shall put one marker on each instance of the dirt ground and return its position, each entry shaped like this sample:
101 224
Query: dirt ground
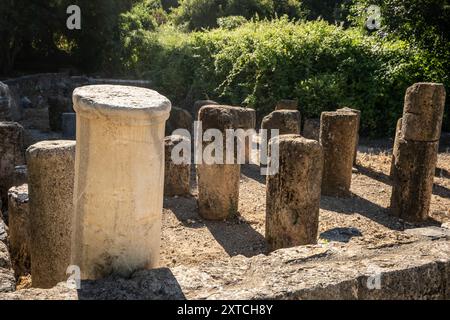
362 218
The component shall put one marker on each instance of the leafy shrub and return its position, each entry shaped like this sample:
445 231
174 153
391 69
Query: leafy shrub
321 65
204 14
231 22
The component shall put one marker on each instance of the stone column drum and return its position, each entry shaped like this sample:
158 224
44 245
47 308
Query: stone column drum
415 151
413 175
11 155
338 138
50 175
286 121
119 179
293 193
176 175
311 129
358 113
218 184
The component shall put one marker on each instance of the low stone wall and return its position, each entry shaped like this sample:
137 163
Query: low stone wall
30 96
419 270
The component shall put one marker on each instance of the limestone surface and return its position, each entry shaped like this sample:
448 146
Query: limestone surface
358 113
119 179
293 193
423 112
311 129
51 180
200 103
218 184
178 119
338 132
286 121
7 280
412 271
286 104
413 175
176 175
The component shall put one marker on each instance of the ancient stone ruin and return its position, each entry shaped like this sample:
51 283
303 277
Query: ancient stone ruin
126 126
415 151
293 194
338 136
119 209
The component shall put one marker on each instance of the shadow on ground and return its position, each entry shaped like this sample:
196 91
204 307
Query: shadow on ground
236 235
155 284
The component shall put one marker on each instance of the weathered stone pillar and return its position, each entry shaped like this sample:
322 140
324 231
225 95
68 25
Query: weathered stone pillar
338 138
218 184
415 151
179 119
119 179
311 129
11 155
293 193
200 103
176 175
398 132
69 125
285 104
51 178
358 113
286 121
19 235
414 167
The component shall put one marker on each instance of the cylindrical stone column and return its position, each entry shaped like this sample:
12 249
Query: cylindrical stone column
398 132
311 129
358 113
293 193
19 235
338 138
286 104
286 121
177 173
415 151
218 184
413 174
119 179
51 178
423 112
11 155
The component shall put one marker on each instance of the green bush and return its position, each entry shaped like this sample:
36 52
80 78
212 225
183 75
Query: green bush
204 14
321 65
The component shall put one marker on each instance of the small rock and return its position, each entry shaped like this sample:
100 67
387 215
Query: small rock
5 258
25 103
446 225
3 232
434 233
7 280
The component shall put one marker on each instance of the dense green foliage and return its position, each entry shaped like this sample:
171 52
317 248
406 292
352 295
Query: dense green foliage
246 52
321 65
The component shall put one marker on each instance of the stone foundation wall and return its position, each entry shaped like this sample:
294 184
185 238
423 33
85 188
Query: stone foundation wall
30 95
419 270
